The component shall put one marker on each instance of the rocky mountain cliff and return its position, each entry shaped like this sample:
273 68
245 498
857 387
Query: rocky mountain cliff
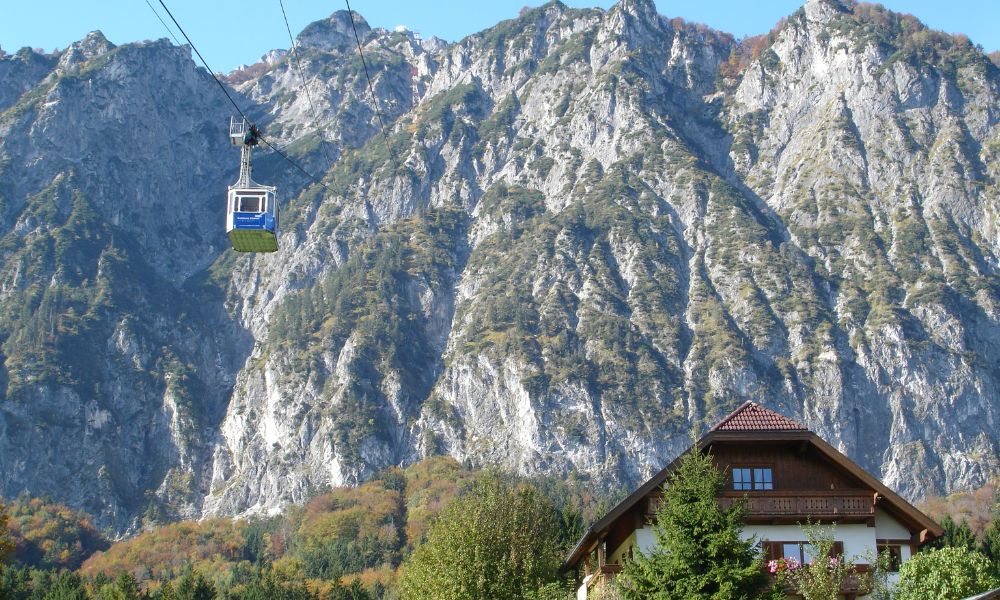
586 235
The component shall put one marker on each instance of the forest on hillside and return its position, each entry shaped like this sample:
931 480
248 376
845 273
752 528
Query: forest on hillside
347 543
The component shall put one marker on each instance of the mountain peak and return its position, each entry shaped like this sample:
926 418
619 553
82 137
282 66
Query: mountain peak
823 11
335 32
641 9
89 48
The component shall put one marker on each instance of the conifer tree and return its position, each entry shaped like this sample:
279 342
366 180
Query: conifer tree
193 586
957 535
124 587
990 546
699 553
6 543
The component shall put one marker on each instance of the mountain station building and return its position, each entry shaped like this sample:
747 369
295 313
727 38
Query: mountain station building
788 476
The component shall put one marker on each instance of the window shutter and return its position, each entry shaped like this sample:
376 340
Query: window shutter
772 550
837 549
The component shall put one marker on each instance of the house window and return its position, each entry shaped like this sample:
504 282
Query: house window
753 478
895 554
763 479
800 552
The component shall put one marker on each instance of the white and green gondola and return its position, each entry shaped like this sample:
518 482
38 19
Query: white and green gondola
251 208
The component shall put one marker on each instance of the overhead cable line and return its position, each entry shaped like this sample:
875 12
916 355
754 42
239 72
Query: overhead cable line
302 76
378 109
233 102
164 23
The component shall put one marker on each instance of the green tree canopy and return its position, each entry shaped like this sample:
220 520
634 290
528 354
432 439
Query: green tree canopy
946 573
497 542
699 552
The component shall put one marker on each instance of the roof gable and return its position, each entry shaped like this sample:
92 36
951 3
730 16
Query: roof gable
751 416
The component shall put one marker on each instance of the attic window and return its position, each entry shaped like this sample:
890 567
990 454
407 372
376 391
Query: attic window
753 478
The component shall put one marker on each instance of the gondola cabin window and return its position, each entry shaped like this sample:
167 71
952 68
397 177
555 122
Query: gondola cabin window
753 478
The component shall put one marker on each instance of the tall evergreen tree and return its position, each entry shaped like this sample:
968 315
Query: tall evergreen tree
124 587
699 553
991 543
990 546
6 543
957 535
193 586
64 586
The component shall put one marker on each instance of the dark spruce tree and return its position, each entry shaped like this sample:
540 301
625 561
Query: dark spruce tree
956 535
6 543
699 552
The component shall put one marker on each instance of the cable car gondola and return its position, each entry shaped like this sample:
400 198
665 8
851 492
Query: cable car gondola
251 208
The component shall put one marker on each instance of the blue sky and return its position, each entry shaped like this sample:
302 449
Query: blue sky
230 32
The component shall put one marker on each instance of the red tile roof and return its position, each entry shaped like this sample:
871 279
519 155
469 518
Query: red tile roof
754 417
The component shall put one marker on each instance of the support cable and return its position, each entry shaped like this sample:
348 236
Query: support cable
233 102
302 76
378 109
164 23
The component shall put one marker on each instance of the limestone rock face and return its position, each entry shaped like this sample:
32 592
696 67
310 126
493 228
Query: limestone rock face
583 235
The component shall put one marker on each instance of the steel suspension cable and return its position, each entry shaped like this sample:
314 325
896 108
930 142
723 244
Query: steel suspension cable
233 102
164 23
378 109
302 76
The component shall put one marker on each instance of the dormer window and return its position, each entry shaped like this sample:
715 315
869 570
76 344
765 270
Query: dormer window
753 478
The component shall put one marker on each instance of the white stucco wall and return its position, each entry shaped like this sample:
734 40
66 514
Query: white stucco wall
888 528
616 554
644 539
858 539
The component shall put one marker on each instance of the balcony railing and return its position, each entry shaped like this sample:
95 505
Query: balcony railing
851 585
797 504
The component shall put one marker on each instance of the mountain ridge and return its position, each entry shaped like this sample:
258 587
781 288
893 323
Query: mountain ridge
595 231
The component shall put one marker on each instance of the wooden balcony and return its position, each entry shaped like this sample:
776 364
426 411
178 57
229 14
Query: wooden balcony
798 506
853 586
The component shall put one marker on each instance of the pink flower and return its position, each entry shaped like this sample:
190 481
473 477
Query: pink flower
773 566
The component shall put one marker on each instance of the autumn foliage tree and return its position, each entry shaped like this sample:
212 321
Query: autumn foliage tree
50 535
